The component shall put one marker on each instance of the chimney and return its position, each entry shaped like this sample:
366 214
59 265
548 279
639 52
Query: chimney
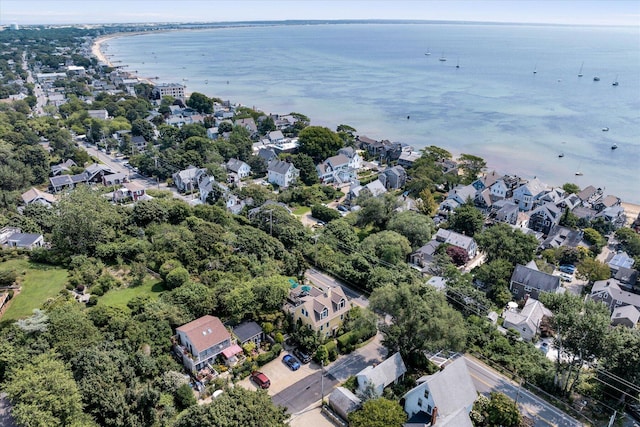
434 416
328 292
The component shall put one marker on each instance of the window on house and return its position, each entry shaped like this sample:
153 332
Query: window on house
324 313
321 327
420 402
429 409
426 394
527 288
342 303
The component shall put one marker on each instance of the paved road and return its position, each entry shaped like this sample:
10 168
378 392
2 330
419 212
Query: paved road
307 391
487 380
323 279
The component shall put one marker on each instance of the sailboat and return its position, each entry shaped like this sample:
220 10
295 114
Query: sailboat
579 172
535 69
458 63
615 82
580 72
442 58
427 53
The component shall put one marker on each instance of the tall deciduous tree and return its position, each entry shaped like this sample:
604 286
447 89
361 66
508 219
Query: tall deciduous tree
414 226
592 270
472 167
503 242
319 142
200 102
378 412
467 220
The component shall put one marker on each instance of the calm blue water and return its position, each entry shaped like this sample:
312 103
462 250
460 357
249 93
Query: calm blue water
372 76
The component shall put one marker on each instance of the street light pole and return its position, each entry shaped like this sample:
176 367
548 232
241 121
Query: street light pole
322 381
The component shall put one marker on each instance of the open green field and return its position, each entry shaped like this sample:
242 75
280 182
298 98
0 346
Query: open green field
301 210
151 287
39 283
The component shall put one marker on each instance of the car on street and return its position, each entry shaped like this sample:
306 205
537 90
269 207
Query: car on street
302 356
567 268
565 277
291 362
261 379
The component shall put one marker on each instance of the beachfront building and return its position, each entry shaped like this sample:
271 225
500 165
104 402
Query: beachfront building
168 89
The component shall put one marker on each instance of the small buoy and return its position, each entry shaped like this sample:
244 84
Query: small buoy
408 117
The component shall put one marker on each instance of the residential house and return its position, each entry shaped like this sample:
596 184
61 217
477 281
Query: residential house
13 237
606 202
343 402
570 201
98 114
456 239
276 137
282 173
507 211
355 160
390 371
408 157
322 311
545 217
611 293
620 260
527 194
393 178
96 171
526 321
456 197
187 179
503 187
212 133
130 191
62 167
424 256
527 280
267 154
486 181
614 215
555 196
59 183
627 315
335 169
249 332
240 168
443 399
583 212
563 236
138 143
114 179
200 341
249 124
590 194
626 276
375 188
36 196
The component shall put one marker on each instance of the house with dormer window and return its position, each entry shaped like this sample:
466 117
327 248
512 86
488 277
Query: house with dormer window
322 310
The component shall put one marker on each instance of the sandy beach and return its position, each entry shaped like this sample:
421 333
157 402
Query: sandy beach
96 48
632 211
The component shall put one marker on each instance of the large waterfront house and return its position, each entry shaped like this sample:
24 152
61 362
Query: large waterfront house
322 310
200 341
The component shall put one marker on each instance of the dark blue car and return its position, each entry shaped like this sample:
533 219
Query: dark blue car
568 268
291 362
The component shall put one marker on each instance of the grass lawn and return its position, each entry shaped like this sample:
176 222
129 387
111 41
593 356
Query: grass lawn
301 210
120 297
39 283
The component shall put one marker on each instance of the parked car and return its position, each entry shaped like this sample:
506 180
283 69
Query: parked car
568 268
302 356
261 379
291 362
565 277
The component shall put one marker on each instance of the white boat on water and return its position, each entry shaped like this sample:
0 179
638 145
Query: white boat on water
605 129
580 72
578 173
614 146
442 58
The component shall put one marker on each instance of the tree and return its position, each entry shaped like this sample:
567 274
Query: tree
416 227
503 242
472 166
346 134
375 210
200 102
308 172
496 275
7 278
426 203
457 254
592 270
318 142
184 397
387 246
571 188
141 127
421 320
378 412
324 213
467 220
177 277
44 393
502 411
236 407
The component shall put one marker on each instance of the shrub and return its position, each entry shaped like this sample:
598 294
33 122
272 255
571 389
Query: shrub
10 294
7 278
80 288
277 348
93 300
97 291
347 341
332 349
267 327
279 338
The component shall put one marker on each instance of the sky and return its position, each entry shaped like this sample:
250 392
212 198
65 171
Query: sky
571 12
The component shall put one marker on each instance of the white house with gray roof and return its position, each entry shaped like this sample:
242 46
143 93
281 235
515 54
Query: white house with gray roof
526 321
527 194
281 173
443 399
380 376
613 295
239 167
456 239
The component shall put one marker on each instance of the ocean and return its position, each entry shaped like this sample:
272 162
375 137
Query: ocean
508 93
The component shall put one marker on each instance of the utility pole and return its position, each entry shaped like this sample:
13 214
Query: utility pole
322 381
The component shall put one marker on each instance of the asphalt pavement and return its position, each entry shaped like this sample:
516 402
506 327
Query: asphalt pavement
544 414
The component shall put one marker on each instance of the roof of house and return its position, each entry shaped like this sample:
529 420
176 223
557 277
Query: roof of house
205 332
621 259
279 166
24 239
96 168
563 236
489 179
549 209
440 283
343 400
133 186
615 292
316 301
453 238
587 193
439 384
385 373
235 164
610 201
535 279
533 187
267 154
626 275
276 135
347 151
530 315
34 194
625 312
463 193
247 330
61 180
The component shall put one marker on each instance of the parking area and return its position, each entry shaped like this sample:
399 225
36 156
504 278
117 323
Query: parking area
281 375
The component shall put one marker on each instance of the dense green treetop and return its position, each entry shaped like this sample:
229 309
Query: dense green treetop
319 142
